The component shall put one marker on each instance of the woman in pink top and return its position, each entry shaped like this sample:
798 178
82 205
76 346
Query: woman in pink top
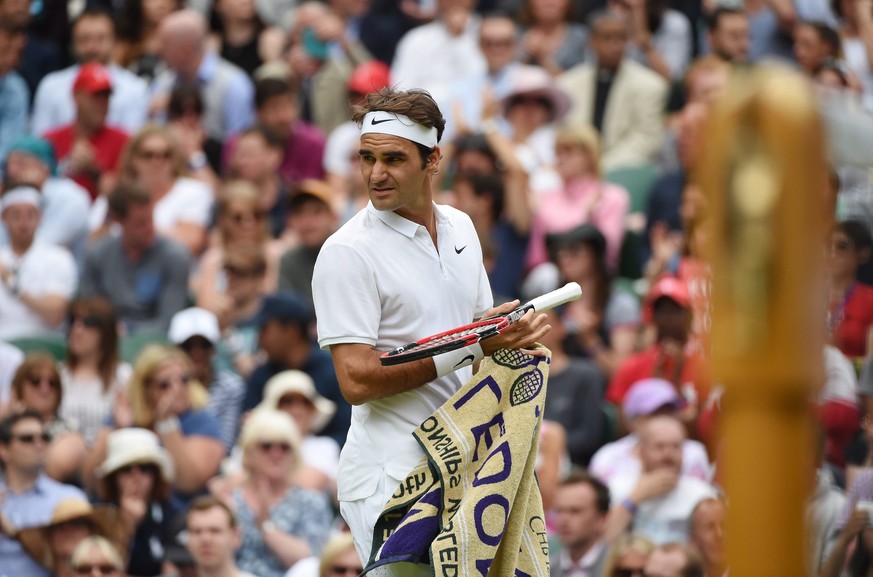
584 198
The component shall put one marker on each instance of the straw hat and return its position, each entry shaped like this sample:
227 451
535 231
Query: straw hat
104 519
134 445
533 81
299 382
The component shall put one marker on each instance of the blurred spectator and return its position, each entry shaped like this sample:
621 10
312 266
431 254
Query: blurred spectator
284 321
622 99
241 37
815 42
42 53
449 48
473 100
850 303
164 397
241 227
278 109
37 387
65 204
628 557
185 120
30 496
852 551
728 34
14 93
771 26
580 510
11 358
575 393
88 150
280 521
645 400
838 406
658 501
337 558
552 461
195 331
856 31
143 275
668 308
227 90
137 47
256 158
213 537
312 217
583 198
92 374
38 279
660 37
604 324
674 560
550 38
325 49
707 536
154 160
135 477
97 555
73 520
533 108
293 392
93 42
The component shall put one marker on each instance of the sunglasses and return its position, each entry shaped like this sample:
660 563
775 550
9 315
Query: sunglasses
496 42
196 343
144 468
268 446
291 400
31 438
162 154
165 384
89 321
243 272
343 570
102 569
617 572
37 381
241 217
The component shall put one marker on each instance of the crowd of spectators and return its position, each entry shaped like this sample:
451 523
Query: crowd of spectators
170 170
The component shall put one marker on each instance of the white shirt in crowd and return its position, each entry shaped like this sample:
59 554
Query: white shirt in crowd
619 459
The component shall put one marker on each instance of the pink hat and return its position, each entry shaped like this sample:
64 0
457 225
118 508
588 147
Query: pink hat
648 395
534 81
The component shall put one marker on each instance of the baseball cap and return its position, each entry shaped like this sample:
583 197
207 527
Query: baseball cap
283 307
648 395
93 78
669 287
194 322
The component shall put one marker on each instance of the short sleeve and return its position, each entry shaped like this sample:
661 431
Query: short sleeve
200 424
61 277
623 309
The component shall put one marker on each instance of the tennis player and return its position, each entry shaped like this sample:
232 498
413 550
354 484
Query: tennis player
401 269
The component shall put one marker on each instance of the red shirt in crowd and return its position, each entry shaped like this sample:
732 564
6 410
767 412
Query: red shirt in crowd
108 143
853 320
654 362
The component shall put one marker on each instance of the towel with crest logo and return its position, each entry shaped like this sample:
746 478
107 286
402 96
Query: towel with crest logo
472 505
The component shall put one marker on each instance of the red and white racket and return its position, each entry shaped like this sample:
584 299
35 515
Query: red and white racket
471 334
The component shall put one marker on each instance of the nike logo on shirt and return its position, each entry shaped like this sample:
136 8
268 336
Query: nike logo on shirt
460 250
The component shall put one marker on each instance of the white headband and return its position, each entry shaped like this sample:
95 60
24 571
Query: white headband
21 195
381 122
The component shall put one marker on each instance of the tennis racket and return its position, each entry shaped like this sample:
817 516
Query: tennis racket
473 333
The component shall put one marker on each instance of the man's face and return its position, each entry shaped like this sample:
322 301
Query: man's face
25 168
92 108
314 221
26 449
211 540
608 42
16 12
661 444
672 320
200 351
497 42
138 227
577 520
253 159
11 45
21 221
279 113
395 178
273 338
665 564
730 39
93 40
707 531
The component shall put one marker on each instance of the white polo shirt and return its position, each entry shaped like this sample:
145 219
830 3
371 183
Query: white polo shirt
380 281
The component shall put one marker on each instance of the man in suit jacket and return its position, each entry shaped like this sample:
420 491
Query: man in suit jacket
581 507
621 98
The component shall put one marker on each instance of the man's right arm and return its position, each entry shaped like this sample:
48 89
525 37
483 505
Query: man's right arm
362 377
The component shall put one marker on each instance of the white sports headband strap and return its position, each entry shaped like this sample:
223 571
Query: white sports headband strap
381 122
21 195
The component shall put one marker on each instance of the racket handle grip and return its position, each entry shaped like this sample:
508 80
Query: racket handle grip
569 292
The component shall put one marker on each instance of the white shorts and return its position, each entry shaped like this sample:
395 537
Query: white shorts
361 516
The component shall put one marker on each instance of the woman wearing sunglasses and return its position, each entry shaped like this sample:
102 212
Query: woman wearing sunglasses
280 521
37 386
136 477
97 557
164 398
628 557
92 374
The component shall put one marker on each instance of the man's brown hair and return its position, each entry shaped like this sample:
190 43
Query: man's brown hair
208 502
